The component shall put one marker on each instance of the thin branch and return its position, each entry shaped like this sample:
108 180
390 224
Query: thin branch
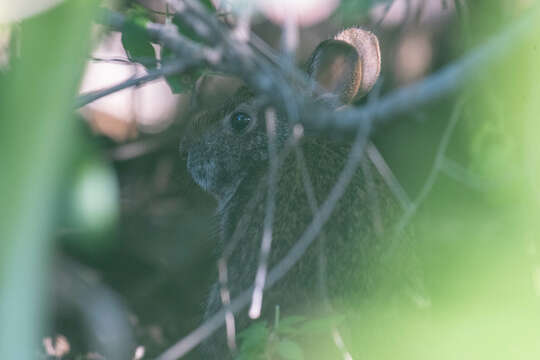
118 60
457 172
389 178
165 34
236 236
152 75
437 164
314 206
385 13
247 215
266 243
373 197
378 160
225 296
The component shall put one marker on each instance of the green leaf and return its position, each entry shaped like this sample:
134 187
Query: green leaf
208 4
185 82
36 141
137 44
254 338
135 39
289 350
139 15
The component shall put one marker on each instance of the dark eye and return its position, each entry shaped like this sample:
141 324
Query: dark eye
239 121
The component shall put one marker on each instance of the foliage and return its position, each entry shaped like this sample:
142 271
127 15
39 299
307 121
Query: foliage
477 228
134 38
284 340
139 48
36 130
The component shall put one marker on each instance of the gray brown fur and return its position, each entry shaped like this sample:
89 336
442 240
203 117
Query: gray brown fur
231 167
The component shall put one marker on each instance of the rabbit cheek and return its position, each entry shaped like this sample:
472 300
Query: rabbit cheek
213 175
202 171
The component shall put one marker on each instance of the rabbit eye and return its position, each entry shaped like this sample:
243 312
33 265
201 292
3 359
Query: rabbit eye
239 121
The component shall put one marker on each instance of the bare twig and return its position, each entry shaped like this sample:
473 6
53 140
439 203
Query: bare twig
152 75
457 172
225 296
437 164
260 277
289 44
314 206
340 344
236 236
388 176
246 217
117 60
373 197
385 12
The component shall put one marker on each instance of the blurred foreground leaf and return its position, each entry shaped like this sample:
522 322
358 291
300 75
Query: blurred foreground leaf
36 97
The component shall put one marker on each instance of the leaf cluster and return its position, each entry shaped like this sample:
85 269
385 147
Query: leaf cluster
284 340
139 48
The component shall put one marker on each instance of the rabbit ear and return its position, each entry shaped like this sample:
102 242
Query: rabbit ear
347 65
212 91
367 45
335 66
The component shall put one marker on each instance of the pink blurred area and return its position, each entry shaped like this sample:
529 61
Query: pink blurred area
303 12
122 115
423 12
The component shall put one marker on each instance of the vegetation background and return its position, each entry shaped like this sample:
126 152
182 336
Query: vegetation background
107 246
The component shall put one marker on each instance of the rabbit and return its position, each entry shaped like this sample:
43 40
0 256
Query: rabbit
228 156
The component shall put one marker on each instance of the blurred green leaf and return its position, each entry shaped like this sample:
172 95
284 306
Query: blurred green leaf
36 99
319 325
138 14
137 44
94 199
289 350
253 340
185 82
209 5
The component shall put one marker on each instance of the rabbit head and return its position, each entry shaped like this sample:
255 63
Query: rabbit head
230 143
